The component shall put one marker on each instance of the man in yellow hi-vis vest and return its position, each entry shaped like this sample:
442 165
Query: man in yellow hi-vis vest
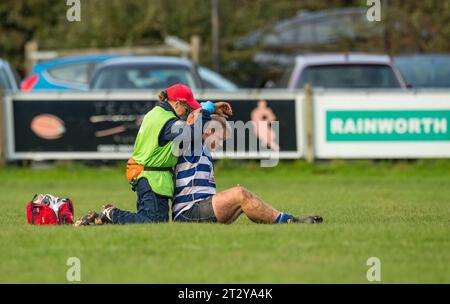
150 169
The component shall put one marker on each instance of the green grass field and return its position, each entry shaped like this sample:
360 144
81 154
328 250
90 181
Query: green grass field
398 212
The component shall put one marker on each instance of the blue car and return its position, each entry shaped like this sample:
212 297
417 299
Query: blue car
68 73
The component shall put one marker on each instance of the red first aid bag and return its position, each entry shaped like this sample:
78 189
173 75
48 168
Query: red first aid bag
46 209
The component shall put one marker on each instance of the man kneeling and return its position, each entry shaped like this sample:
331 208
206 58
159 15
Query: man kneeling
196 200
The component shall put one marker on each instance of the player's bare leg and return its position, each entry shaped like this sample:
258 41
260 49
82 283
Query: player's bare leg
230 204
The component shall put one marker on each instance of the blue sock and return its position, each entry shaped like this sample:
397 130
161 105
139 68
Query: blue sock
282 218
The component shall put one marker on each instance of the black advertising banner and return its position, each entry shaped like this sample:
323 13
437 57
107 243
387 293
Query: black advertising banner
252 113
109 127
77 126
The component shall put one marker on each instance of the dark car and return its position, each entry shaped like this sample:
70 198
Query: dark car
213 80
425 70
144 73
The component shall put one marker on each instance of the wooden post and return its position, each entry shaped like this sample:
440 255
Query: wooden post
308 119
195 49
31 48
2 130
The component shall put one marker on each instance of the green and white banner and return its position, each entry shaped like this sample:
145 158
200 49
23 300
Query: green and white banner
382 125
388 125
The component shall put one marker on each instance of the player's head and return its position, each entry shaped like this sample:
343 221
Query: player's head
216 132
181 99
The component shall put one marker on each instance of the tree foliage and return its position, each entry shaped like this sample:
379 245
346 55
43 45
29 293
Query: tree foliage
412 26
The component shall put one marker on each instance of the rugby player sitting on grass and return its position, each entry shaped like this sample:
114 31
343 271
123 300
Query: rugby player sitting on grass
195 198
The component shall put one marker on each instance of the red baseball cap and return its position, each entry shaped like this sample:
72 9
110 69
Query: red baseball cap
180 92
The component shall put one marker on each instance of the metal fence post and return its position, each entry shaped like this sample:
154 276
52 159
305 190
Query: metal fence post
308 121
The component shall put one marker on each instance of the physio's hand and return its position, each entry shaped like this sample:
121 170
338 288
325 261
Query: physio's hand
223 109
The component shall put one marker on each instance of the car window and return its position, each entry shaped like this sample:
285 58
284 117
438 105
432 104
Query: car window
209 85
213 80
283 81
77 72
355 76
425 71
143 77
91 69
4 82
16 78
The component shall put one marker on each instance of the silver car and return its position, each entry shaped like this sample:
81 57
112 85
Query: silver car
345 71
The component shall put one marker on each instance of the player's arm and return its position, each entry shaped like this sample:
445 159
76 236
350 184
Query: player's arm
182 130
221 108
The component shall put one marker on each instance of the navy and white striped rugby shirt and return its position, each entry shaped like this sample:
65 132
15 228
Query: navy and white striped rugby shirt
194 181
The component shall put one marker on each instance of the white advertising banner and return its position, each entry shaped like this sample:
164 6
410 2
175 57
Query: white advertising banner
380 125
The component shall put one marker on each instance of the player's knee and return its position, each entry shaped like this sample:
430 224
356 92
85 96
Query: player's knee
242 193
